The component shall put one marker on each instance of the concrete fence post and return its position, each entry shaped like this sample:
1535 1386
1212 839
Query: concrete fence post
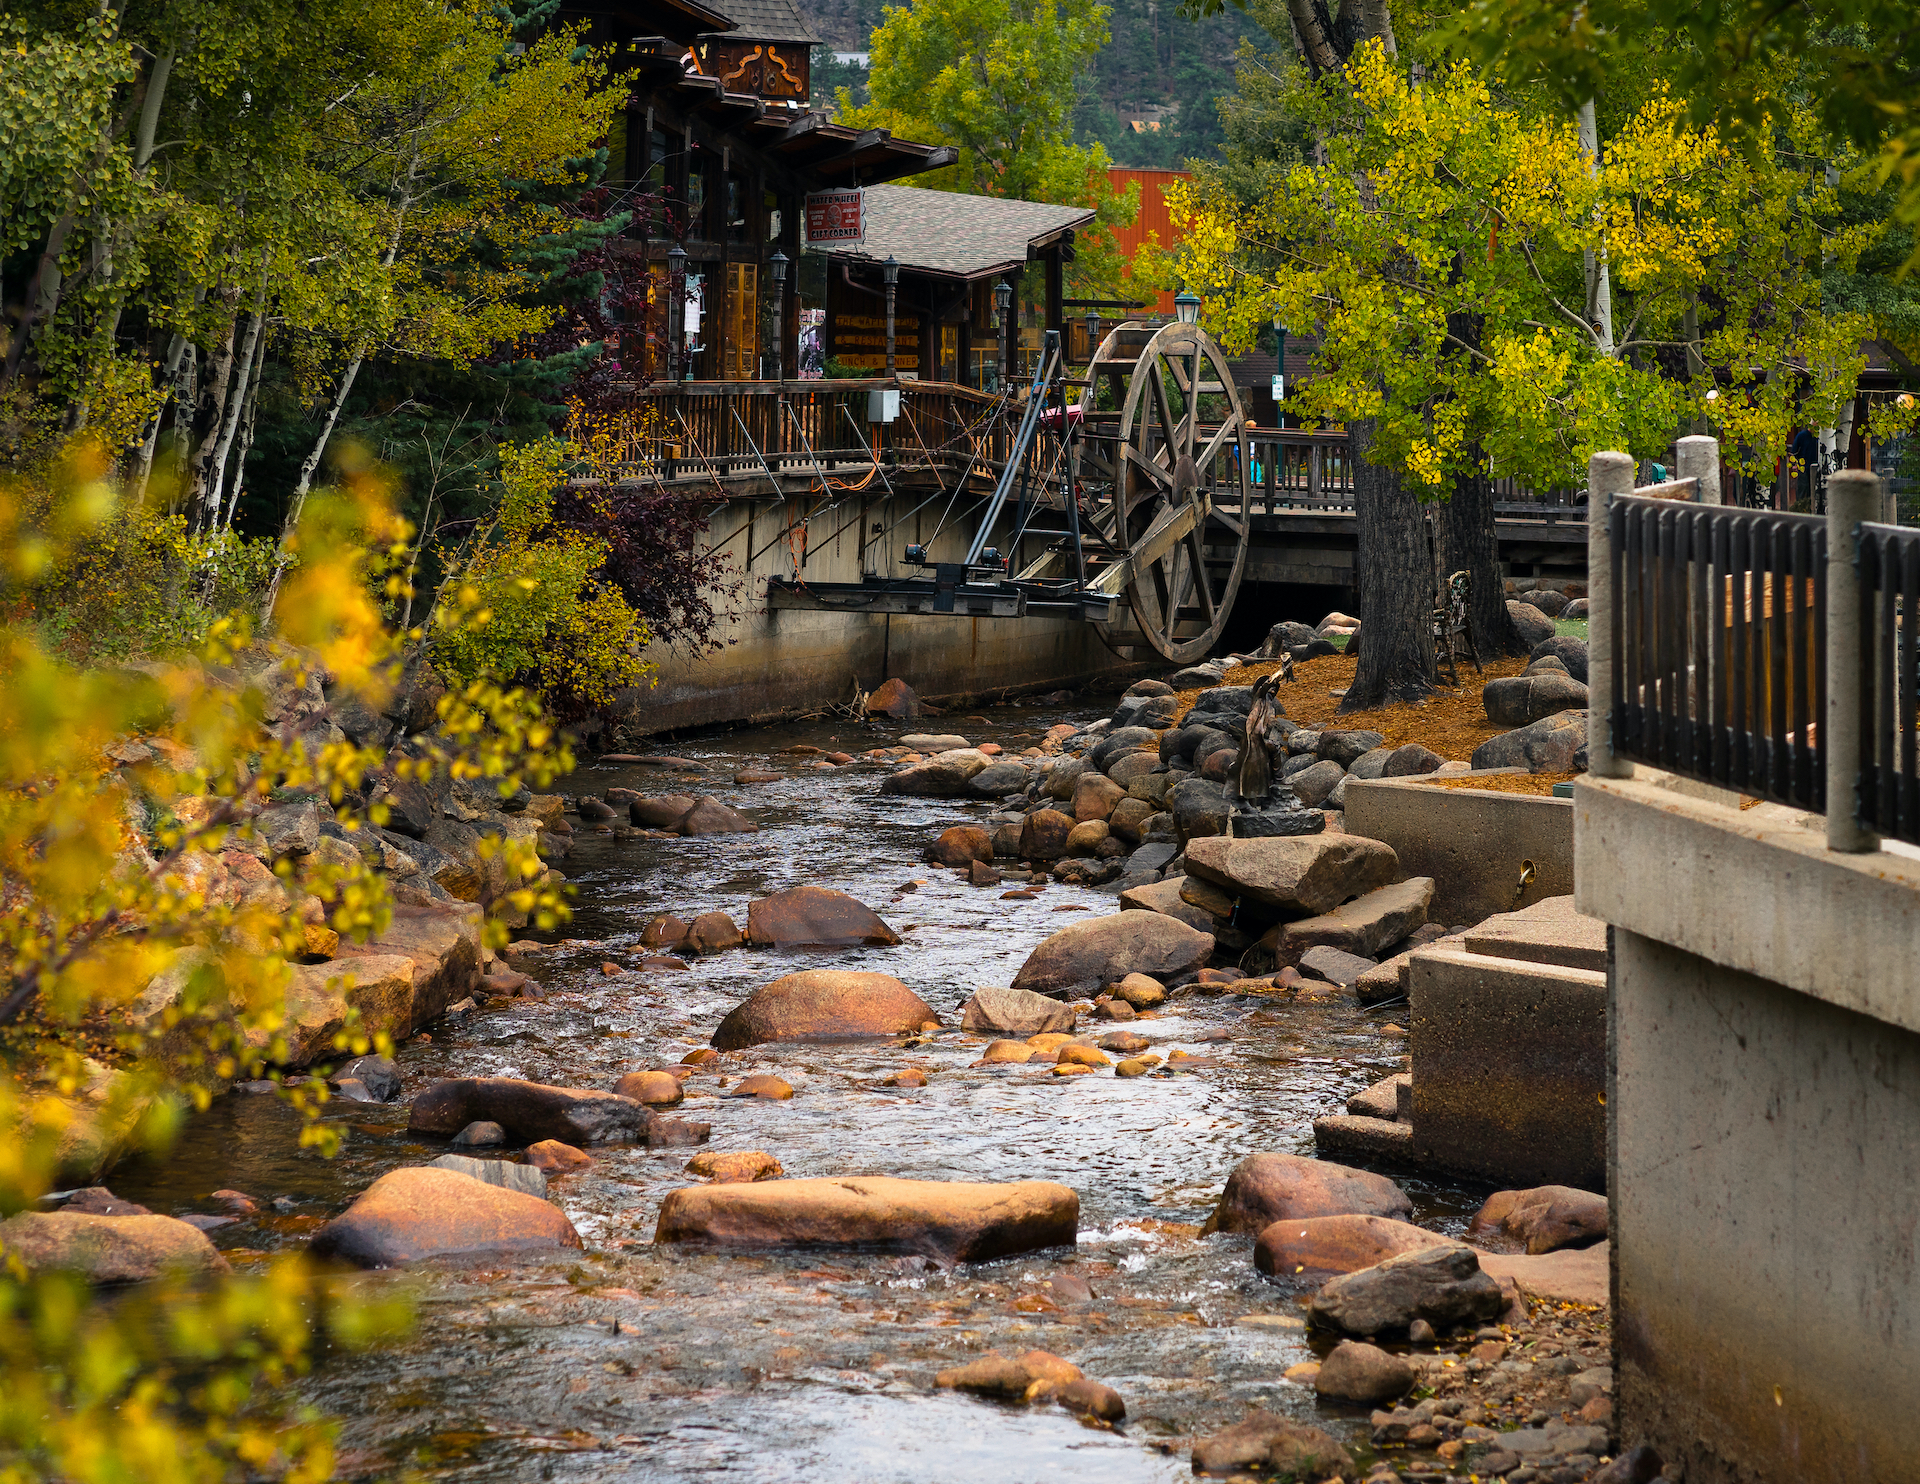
1608 474
1853 497
1699 458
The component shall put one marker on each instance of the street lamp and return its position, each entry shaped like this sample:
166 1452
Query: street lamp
890 271
1186 307
1003 304
1279 368
1093 334
778 263
676 311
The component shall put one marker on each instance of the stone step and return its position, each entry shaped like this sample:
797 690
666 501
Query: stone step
1342 1136
1548 932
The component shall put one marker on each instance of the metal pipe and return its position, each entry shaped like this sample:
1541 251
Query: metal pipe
1853 498
1608 474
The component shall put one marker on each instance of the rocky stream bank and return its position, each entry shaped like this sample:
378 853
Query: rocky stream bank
803 1157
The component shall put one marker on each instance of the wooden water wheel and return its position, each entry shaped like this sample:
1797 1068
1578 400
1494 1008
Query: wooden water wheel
1165 471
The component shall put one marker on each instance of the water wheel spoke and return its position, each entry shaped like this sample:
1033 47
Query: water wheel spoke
1197 556
1232 523
1228 429
1170 430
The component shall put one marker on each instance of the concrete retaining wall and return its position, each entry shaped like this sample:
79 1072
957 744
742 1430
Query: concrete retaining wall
778 663
1765 1095
1472 842
1509 1064
1765 1219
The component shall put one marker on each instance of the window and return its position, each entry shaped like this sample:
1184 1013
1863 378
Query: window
696 219
736 200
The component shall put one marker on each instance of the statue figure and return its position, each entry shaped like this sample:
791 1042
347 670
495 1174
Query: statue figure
1253 774
1258 807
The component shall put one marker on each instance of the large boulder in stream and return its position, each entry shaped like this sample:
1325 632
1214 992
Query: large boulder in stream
109 1249
659 814
709 816
1294 873
1084 956
1443 1285
529 1111
815 917
1265 1188
953 1220
1014 1012
942 776
412 1214
824 1005
1309 1249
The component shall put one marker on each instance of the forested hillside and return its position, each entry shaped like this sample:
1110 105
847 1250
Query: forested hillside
1160 70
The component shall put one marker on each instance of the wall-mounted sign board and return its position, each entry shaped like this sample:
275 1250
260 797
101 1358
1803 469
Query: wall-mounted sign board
836 218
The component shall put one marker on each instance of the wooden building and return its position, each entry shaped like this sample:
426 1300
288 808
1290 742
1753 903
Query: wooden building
718 151
950 251
1153 222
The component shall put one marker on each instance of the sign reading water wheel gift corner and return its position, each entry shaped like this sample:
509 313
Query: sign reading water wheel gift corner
837 217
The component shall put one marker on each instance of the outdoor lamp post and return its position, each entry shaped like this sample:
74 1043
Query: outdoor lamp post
676 312
890 271
778 263
1279 368
1186 307
1003 303
1093 334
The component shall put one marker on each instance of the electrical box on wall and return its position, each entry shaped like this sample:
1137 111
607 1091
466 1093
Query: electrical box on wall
883 405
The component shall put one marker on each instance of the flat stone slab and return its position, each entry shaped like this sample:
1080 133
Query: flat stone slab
1335 966
1382 1100
1365 925
1574 1275
1548 932
954 1220
1357 1136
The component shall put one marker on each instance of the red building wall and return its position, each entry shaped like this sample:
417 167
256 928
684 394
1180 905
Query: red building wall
1152 219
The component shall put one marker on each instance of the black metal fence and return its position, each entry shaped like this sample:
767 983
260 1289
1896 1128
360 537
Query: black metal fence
1889 566
1720 645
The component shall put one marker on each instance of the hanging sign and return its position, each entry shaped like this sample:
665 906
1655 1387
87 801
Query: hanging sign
836 217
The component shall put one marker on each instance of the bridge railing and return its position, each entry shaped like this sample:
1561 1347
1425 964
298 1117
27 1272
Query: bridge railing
1298 469
1763 651
740 429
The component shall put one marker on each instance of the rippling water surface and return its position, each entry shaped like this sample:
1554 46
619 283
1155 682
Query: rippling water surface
630 1361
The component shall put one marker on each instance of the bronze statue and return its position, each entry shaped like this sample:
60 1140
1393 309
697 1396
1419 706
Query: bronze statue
1253 776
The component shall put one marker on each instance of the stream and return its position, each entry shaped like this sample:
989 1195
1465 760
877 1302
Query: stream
631 1361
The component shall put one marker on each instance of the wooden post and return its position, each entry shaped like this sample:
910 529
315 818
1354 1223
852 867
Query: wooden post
1313 471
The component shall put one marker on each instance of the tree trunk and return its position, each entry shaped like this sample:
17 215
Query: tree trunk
250 409
1469 543
208 422
1394 576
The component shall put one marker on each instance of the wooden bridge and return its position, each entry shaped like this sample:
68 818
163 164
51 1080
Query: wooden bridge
809 445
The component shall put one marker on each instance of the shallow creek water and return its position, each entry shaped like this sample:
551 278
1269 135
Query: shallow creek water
631 1361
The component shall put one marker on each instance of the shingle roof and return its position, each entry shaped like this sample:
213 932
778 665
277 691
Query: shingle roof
767 20
960 236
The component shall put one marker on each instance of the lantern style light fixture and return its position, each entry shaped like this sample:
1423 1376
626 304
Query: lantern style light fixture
1279 363
676 313
1093 334
1003 303
1186 307
890 271
778 264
